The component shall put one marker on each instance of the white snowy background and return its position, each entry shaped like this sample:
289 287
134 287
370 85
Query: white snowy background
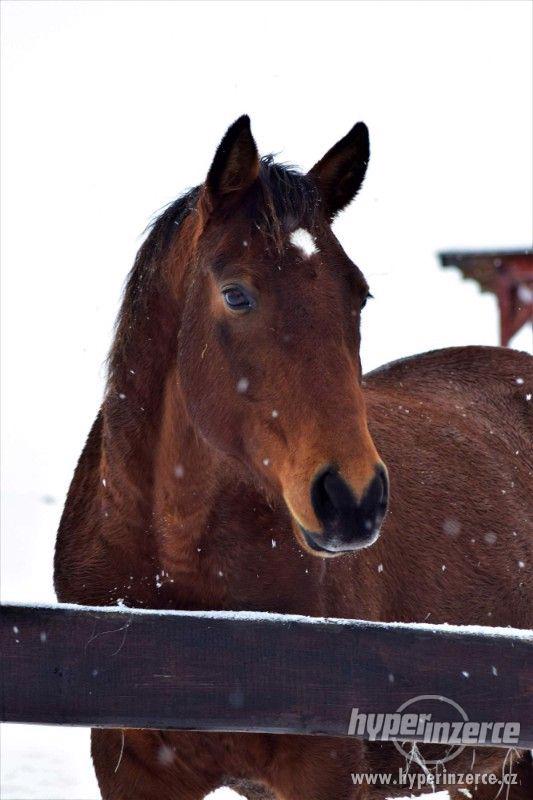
112 109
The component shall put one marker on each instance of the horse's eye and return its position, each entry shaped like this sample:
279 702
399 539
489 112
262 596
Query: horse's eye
238 299
368 297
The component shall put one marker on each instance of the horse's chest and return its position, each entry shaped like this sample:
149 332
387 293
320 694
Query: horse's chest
263 570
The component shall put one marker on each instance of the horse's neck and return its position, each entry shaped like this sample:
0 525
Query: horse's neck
187 481
132 411
190 508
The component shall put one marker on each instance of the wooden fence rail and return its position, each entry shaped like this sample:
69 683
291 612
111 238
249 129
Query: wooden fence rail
222 671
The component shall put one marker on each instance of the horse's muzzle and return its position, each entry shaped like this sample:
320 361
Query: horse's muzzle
347 524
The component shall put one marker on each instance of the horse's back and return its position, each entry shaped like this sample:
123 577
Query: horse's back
495 382
463 363
455 429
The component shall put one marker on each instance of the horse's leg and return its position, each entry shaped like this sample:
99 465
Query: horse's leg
524 772
318 768
250 790
143 765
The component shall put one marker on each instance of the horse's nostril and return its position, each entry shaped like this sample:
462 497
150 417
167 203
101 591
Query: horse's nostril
385 482
375 499
338 491
330 495
383 479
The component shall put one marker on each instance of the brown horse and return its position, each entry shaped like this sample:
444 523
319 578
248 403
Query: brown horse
238 460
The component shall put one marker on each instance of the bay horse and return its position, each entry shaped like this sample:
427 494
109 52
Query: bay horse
238 462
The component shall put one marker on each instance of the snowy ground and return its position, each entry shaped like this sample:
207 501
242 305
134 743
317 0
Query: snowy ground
53 764
96 136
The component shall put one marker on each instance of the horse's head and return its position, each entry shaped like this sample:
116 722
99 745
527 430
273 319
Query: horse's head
269 339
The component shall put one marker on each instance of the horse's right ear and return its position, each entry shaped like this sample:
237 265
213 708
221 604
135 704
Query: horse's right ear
236 163
340 173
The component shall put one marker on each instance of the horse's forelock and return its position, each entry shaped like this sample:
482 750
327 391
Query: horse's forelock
288 200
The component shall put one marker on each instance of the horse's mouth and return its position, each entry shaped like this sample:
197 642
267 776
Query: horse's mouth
337 549
312 544
317 548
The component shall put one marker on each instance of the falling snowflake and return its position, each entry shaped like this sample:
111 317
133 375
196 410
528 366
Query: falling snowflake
451 527
165 755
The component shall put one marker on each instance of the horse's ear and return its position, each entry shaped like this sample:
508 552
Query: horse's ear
339 174
236 163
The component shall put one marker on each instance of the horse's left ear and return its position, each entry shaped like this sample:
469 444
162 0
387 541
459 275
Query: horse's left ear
236 163
339 174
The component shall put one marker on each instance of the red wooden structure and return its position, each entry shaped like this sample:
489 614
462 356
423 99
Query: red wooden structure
508 275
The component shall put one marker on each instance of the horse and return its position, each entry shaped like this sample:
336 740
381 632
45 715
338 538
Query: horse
241 460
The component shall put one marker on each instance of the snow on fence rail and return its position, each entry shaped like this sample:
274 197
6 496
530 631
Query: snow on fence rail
231 671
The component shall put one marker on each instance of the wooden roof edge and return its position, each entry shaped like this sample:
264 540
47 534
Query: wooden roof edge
450 258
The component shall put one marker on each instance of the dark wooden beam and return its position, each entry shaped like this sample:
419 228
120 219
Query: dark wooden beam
76 665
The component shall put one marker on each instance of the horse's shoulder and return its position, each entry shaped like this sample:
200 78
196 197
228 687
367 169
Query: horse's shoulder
459 366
